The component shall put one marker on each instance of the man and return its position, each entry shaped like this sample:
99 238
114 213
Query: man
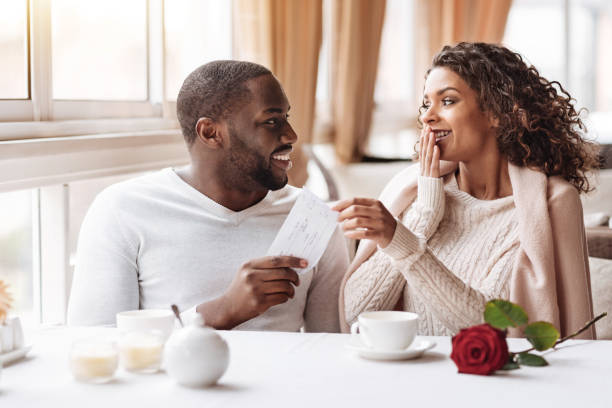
196 236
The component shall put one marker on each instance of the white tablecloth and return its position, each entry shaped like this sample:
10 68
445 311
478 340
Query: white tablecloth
270 369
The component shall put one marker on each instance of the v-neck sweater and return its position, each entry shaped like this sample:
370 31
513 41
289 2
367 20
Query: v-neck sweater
154 241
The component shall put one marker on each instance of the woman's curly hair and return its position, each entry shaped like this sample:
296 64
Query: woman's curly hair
539 126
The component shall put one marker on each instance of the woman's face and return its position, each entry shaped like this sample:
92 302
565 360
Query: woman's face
450 108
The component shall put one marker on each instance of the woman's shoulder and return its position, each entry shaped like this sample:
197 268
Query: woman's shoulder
563 199
561 189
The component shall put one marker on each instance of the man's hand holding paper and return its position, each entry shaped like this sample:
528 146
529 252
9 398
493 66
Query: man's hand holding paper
306 230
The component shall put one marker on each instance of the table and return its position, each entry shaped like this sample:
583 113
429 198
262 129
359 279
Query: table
272 369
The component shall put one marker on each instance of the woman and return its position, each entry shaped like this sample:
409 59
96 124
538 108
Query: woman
493 209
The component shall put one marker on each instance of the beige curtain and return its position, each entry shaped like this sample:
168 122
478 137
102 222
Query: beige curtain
285 36
447 22
356 35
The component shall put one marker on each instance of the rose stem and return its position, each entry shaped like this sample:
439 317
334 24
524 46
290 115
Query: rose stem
586 326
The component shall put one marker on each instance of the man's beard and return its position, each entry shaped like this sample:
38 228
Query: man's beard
248 170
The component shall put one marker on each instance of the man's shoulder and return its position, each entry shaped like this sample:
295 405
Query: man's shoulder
141 187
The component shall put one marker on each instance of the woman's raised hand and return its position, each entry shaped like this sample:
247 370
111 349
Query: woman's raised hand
429 153
366 218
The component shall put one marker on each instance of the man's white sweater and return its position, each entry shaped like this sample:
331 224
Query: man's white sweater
154 240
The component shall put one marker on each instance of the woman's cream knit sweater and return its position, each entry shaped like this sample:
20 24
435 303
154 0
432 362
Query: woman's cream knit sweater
450 254
550 273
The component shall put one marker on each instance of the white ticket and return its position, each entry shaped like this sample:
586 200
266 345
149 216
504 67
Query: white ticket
306 231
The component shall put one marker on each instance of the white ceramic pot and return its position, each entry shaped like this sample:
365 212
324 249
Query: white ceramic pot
196 356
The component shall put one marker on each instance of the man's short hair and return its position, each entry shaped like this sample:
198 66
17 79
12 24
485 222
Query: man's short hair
214 90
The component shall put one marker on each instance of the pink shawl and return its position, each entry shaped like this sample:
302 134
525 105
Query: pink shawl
550 278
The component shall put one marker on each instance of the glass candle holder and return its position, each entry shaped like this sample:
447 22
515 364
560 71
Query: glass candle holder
93 360
141 350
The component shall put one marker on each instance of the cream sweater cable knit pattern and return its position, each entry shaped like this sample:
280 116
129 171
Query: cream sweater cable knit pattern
433 251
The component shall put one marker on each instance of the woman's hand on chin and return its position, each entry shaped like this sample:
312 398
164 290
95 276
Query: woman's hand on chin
429 154
366 218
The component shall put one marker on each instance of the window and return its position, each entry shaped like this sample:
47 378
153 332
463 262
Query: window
14 82
38 240
567 40
14 45
70 59
324 75
85 100
111 63
572 47
394 81
99 72
190 45
17 251
590 55
71 55
546 23
393 133
602 100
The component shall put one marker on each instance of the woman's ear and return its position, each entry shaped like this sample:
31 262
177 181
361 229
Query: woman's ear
493 120
208 132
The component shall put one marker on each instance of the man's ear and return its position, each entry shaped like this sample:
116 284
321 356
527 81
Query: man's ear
208 132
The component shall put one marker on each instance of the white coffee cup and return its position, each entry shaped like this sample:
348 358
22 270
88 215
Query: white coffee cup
386 330
146 320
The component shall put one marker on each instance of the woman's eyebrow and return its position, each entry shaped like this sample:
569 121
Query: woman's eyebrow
448 88
441 91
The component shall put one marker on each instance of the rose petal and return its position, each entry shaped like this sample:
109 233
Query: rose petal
480 349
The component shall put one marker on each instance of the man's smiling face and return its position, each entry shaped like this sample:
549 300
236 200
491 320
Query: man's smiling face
260 139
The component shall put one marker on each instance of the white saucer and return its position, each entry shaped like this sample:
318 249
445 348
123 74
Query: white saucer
14 355
416 349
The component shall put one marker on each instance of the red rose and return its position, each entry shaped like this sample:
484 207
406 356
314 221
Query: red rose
480 350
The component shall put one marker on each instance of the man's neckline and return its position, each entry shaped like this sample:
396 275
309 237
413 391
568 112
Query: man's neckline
218 208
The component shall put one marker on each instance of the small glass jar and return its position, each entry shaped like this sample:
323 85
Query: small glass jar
141 351
94 360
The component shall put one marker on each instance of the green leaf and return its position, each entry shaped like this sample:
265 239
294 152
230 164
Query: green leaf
511 365
542 335
533 360
502 314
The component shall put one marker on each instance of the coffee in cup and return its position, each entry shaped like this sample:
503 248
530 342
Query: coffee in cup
386 330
